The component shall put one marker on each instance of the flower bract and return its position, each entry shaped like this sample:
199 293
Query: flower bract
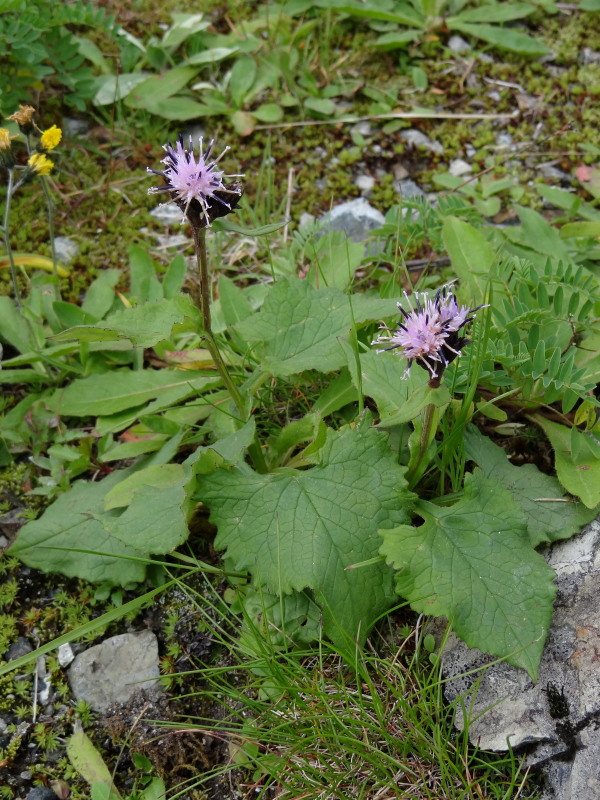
50 138
429 331
24 117
195 183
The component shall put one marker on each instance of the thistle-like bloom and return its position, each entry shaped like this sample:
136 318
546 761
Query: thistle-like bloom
50 138
39 164
429 331
195 184
24 118
7 158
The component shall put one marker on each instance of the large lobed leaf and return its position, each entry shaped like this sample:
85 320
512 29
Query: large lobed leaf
472 563
295 530
549 515
301 327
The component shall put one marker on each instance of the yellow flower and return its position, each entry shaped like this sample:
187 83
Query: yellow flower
7 158
40 164
51 137
24 117
5 139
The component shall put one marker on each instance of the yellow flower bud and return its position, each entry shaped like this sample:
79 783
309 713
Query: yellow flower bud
50 138
40 164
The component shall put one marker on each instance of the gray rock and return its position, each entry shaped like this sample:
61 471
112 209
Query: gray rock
362 128
42 793
408 189
458 167
75 127
167 213
356 218
495 96
365 183
3 542
552 173
504 140
470 151
509 707
11 522
306 219
115 670
66 249
399 172
458 45
416 138
589 56
18 649
65 655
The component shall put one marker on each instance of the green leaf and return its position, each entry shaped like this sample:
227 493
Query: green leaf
101 294
159 476
503 38
88 762
268 112
159 88
113 88
179 109
242 79
496 12
14 327
223 224
212 55
155 521
242 122
472 563
580 229
142 272
396 39
234 303
581 479
76 520
299 326
322 106
549 514
303 529
123 389
338 394
402 13
174 276
143 325
184 25
383 379
471 255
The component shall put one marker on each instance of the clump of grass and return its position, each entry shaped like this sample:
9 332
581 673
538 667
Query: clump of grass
315 724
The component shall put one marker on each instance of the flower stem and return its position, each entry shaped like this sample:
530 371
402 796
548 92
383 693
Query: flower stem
9 253
50 209
202 299
427 433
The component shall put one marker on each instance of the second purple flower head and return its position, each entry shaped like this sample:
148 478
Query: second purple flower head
429 331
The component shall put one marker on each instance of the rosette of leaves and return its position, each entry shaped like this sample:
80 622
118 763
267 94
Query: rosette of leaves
402 23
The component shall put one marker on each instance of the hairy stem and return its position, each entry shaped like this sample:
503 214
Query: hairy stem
50 210
202 300
9 253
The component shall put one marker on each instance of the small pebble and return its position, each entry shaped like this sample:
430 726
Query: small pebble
458 167
66 249
458 45
65 655
365 183
41 793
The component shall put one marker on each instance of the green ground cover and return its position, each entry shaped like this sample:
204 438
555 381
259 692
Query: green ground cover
217 430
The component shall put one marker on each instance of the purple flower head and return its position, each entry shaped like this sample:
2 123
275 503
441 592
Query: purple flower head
429 331
195 184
